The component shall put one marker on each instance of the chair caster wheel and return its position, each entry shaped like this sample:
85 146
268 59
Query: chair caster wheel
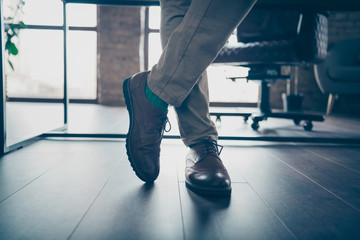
218 118
218 121
297 122
308 126
255 126
246 119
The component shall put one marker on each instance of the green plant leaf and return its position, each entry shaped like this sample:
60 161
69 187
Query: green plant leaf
12 29
11 48
22 24
9 36
7 46
11 65
15 29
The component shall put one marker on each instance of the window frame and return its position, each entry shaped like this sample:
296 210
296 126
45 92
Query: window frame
55 100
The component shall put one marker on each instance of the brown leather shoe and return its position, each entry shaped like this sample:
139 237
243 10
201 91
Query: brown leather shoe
147 124
205 172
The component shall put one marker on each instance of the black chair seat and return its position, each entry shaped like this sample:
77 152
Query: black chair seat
265 52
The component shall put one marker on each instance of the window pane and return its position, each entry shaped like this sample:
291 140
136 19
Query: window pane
50 12
83 15
154 19
225 90
154 48
82 64
38 66
43 12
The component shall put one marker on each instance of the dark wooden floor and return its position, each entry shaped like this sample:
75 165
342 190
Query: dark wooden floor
86 189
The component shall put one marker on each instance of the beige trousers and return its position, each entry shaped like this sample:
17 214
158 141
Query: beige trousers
192 33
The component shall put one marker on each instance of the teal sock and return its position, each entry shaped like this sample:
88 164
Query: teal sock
155 100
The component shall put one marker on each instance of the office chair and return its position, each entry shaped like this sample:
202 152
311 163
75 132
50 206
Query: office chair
270 41
340 72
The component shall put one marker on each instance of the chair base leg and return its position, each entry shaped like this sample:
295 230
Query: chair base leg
297 117
264 106
330 104
230 114
257 117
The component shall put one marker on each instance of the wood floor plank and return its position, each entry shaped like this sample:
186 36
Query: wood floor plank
19 169
25 165
344 124
336 179
129 209
243 216
343 155
51 206
55 146
307 209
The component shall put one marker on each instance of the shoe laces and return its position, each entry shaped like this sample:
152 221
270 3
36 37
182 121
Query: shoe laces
165 122
206 148
209 147
214 147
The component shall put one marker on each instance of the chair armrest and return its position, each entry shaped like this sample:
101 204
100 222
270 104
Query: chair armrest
345 73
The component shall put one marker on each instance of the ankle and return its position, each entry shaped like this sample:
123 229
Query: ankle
155 100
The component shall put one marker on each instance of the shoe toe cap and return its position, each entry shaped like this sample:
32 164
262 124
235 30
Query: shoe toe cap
210 180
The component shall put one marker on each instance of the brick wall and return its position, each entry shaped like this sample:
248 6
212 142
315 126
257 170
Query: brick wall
342 25
118 50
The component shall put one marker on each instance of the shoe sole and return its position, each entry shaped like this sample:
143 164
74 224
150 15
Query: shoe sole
129 106
209 192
